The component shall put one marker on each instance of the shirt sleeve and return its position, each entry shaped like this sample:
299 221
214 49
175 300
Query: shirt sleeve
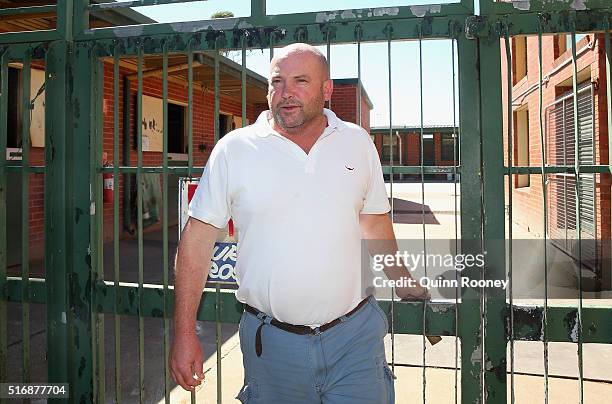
376 200
210 203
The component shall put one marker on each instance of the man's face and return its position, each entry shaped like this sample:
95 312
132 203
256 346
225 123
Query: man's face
297 90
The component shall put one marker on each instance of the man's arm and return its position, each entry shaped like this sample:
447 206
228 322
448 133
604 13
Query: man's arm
377 229
191 270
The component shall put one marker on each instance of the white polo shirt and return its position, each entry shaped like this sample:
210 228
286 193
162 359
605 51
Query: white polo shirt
296 216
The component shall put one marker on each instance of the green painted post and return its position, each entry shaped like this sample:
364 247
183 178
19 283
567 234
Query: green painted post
494 218
56 246
68 281
78 194
258 8
469 320
3 245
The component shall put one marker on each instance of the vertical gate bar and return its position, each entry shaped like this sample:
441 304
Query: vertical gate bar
272 34
609 86
3 245
510 179
422 168
454 83
127 149
328 40
471 225
219 340
609 91
165 257
359 90
94 166
565 162
99 228
390 105
217 84
79 18
139 214
217 105
190 128
258 8
116 263
189 109
93 183
544 209
25 230
578 205
243 80
494 220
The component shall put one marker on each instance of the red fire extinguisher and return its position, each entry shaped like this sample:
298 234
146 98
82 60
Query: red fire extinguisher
109 183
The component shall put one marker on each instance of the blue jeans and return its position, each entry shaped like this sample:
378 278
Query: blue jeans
344 364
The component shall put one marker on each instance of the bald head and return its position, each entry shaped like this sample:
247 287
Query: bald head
298 88
312 54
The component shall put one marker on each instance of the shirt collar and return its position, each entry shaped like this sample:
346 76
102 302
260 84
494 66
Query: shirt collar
263 128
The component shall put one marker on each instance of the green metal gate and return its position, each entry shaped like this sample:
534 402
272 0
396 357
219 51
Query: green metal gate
73 287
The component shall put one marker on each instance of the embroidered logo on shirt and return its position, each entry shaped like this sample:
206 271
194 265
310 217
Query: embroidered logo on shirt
349 168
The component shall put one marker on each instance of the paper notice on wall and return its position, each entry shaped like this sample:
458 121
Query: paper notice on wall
37 96
152 124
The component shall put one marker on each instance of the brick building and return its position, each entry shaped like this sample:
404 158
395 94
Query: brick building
345 101
559 140
403 148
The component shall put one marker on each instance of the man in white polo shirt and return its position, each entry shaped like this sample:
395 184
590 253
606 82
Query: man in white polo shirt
303 189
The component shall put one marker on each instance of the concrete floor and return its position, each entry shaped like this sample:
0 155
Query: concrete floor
407 353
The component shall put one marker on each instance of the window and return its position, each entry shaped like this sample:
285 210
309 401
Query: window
226 124
176 129
560 45
519 58
449 150
521 145
563 43
390 141
15 110
560 150
568 41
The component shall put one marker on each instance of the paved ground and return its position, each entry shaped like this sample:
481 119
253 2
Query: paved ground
407 352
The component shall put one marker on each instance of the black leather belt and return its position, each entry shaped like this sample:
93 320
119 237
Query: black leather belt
296 329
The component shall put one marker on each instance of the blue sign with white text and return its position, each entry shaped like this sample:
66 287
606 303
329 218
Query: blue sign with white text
223 263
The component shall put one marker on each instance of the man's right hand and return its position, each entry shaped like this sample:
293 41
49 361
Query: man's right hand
186 360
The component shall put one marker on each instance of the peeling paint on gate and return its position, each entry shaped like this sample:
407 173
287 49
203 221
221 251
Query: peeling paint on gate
421 11
523 5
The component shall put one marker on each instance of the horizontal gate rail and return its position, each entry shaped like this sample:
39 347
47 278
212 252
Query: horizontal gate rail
407 316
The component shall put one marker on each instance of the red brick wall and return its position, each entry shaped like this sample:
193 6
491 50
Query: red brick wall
344 103
527 201
203 132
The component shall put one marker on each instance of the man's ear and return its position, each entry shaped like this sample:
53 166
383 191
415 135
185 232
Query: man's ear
328 89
